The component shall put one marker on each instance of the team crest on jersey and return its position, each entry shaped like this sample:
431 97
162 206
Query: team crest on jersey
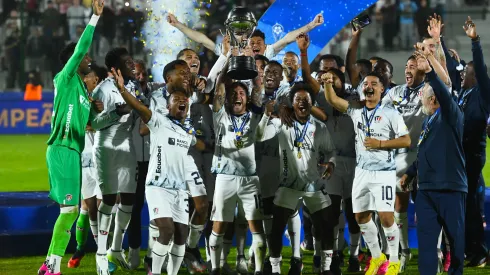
155 211
68 197
377 119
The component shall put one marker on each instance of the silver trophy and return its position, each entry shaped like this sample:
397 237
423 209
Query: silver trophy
240 25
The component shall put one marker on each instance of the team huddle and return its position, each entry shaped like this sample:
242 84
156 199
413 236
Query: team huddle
244 154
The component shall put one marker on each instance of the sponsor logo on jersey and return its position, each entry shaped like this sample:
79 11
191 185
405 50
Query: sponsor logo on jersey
84 102
68 197
178 142
285 163
159 160
377 119
68 119
155 211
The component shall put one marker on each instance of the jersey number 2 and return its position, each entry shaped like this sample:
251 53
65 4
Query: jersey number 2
197 178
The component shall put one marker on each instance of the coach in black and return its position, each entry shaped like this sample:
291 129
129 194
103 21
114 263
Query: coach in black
474 100
442 183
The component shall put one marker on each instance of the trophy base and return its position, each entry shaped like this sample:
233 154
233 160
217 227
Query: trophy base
242 68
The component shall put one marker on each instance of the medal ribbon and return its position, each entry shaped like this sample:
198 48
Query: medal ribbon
239 131
189 130
408 91
464 96
300 135
425 132
369 120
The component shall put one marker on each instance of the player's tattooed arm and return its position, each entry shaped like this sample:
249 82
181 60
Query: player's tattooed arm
219 97
144 112
256 97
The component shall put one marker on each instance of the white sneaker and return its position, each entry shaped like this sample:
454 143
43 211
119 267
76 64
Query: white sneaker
102 264
118 258
226 270
404 259
241 265
134 258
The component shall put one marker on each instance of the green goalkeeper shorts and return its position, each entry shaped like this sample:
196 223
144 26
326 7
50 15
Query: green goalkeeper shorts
65 176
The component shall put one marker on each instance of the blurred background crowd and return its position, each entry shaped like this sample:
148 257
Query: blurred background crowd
33 31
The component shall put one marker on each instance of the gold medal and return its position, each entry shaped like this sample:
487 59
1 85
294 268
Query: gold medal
239 144
299 154
238 134
300 144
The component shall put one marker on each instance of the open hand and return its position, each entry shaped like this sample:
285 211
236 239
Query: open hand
422 62
118 78
435 26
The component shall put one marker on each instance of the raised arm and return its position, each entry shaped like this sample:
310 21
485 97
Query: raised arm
192 34
303 42
451 63
83 45
436 65
478 62
291 36
351 58
449 107
338 103
143 111
218 65
268 128
434 29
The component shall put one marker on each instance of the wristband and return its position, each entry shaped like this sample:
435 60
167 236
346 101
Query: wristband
303 54
477 38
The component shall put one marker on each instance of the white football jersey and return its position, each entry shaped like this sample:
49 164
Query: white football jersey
386 123
87 160
339 125
230 157
409 105
108 93
169 146
299 161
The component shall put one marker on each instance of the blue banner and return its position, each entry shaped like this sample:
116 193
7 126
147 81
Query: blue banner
288 15
25 117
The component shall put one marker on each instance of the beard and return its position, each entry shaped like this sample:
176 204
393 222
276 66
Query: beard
426 110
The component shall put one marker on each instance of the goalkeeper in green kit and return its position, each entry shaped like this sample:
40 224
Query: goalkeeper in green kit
71 113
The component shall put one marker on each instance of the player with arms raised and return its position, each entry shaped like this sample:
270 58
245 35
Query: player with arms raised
379 130
71 111
166 182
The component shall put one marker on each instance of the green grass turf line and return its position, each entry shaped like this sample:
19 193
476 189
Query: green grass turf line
29 265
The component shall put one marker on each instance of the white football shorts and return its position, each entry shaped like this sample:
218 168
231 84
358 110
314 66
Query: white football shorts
373 191
193 178
168 203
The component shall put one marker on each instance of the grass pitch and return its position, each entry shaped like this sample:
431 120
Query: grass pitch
29 265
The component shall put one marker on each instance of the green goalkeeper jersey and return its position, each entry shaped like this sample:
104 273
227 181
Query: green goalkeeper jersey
71 107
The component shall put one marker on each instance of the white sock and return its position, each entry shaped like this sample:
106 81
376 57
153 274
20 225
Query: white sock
370 235
226 251
104 218
439 240
208 256
176 255
55 264
401 220
276 265
326 259
195 232
123 216
153 234
267 228
393 239
215 247
95 229
294 228
340 229
258 244
159 253
241 237
317 244
114 208
355 240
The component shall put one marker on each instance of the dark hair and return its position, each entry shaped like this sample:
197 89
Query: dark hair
67 52
301 86
274 62
338 60
390 66
113 57
339 74
261 57
376 58
238 84
382 80
412 57
293 53
182 52
140 62
170 67
99 71
258 33
366 64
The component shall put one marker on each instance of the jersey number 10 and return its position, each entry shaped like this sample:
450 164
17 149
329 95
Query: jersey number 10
387 193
